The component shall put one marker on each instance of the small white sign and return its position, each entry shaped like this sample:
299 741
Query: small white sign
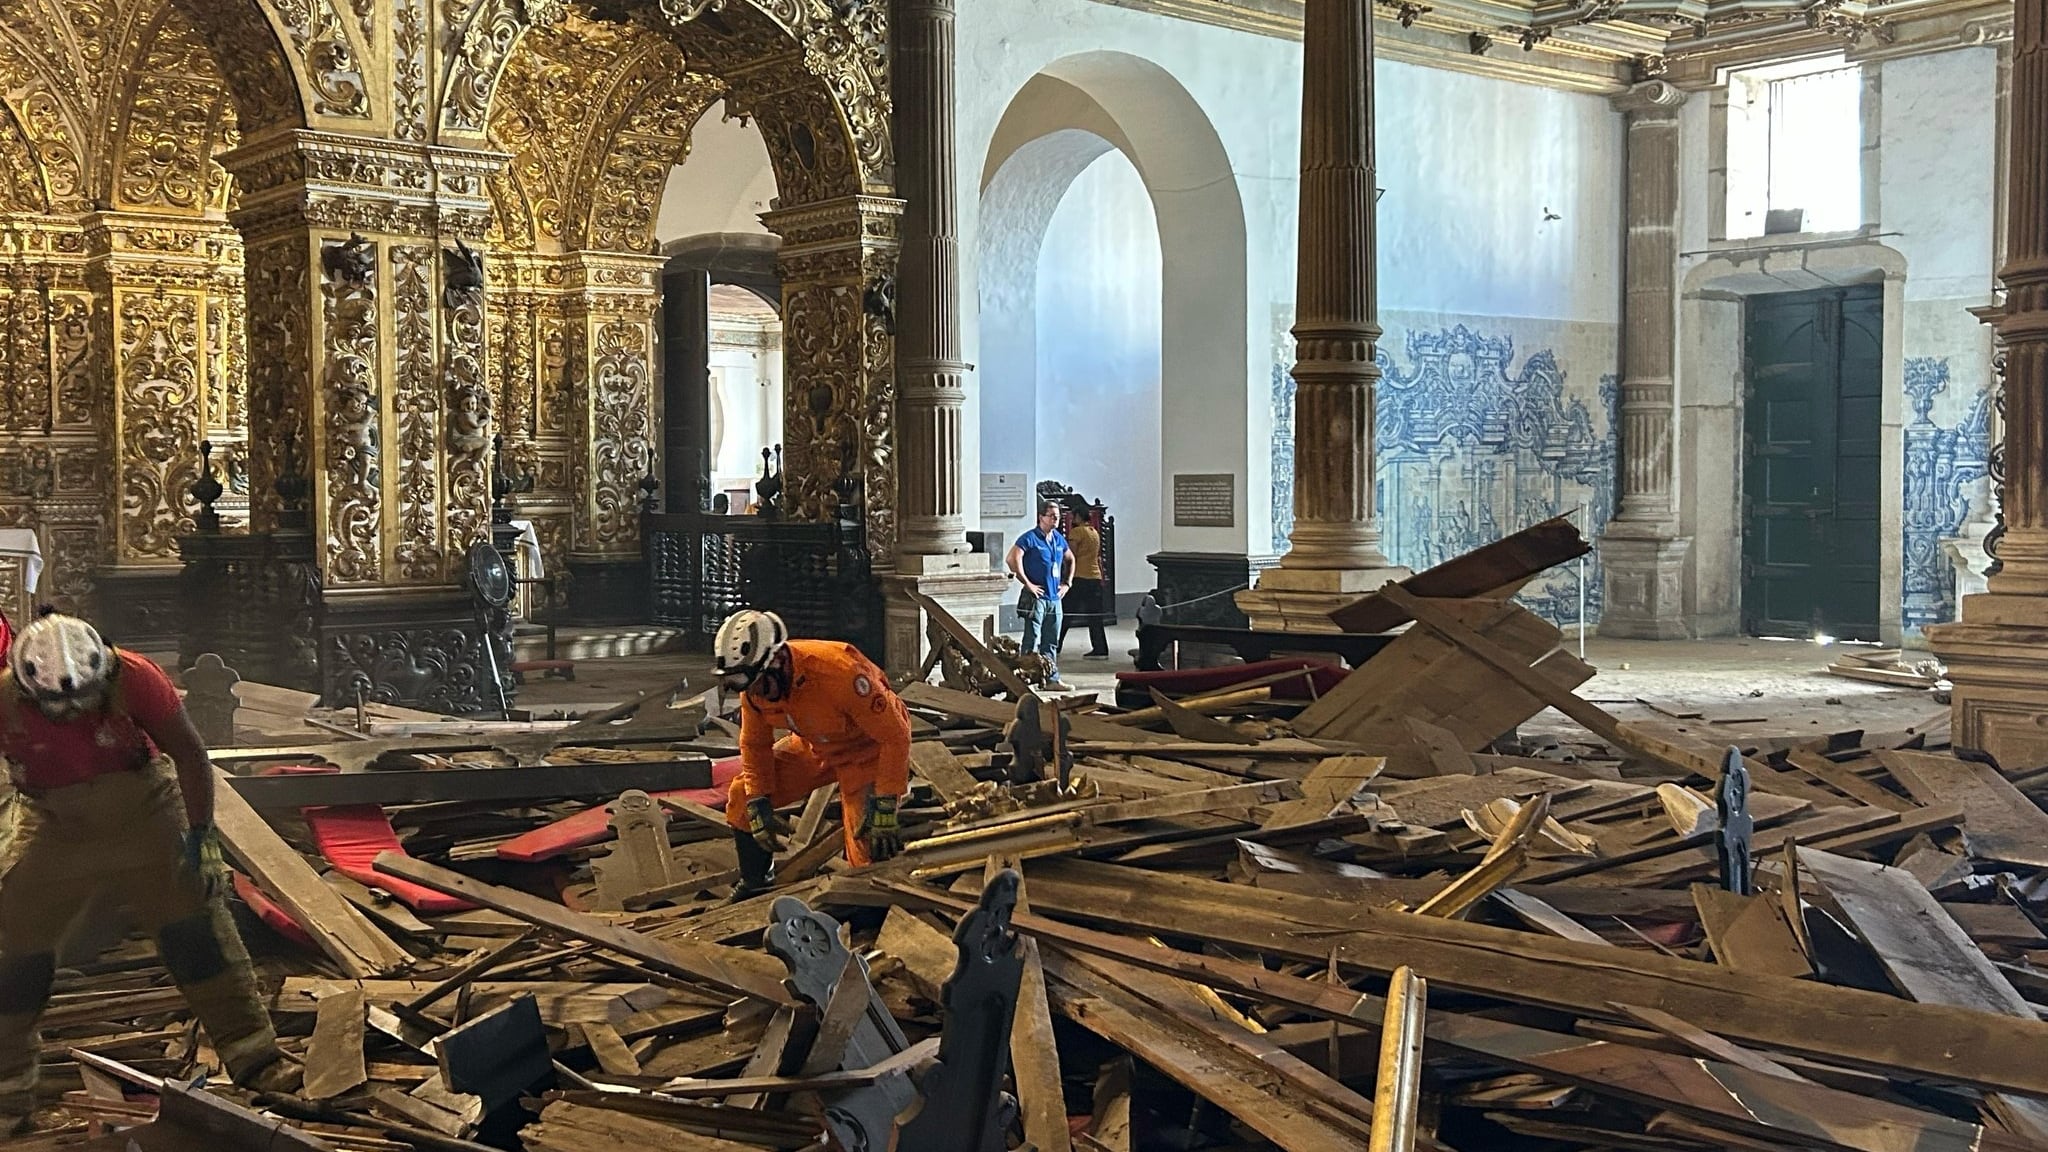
1005 495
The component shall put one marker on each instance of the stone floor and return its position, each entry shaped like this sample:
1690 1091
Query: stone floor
1743 687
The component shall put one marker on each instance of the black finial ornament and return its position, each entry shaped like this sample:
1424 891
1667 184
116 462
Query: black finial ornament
206 490
847 486
770 484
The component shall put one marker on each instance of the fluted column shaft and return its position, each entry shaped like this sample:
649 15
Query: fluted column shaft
930 373
1650 268
2024 326
1336 326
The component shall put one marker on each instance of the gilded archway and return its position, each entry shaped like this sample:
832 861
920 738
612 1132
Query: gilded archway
814 75
594 114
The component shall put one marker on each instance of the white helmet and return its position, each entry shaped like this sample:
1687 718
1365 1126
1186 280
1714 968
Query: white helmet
61 664
747 643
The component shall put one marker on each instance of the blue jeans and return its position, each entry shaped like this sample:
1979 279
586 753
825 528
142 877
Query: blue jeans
1042 629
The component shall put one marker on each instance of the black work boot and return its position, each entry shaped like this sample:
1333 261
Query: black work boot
757 866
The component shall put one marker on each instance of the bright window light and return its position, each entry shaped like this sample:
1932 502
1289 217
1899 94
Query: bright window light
1816 148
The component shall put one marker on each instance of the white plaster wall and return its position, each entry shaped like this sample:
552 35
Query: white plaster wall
1472 166
1216 409
724 184
1098 354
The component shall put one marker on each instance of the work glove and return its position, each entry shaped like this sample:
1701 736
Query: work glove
767 826
203 858
879 830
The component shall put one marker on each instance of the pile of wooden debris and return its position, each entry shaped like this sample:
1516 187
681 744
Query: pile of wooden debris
1354 915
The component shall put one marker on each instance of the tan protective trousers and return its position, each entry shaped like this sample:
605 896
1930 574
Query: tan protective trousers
121 835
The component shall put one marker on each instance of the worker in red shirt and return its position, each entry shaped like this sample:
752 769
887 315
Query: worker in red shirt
844 724
85 729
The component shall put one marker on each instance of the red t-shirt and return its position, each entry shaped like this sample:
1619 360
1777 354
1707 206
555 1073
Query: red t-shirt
6 636
49 754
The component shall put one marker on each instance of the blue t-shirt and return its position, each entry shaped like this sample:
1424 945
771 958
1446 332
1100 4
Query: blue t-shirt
1043 558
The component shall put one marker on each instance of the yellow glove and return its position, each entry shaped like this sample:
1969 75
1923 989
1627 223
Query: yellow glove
879 829
767 826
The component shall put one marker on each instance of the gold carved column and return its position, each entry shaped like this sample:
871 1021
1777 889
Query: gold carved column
52 406
838 261
368 365
159 284
608 335
1997 655
1335 549
533 393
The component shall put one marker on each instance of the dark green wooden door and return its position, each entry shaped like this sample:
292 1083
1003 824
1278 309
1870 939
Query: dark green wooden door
1810 469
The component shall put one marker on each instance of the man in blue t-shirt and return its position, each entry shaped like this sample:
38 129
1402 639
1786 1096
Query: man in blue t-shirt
1041 559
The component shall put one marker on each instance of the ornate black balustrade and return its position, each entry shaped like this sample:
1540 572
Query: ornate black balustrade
819 578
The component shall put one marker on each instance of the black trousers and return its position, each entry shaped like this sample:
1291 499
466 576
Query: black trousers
1084 600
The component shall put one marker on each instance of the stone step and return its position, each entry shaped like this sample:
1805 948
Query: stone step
530 642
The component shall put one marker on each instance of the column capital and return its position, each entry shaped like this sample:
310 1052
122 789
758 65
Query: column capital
1648 98
335 180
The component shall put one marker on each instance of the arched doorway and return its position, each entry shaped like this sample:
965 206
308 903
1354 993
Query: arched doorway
1079 376
722 368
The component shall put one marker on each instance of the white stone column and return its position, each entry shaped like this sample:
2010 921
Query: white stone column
1641 549
931 546
1335 551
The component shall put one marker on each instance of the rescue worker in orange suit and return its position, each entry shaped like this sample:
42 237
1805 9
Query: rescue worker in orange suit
844 724
86 730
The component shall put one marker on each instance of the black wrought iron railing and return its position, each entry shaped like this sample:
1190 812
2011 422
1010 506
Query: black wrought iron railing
819 578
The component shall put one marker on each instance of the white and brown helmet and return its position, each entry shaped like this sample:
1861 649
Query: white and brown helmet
747 643
62 665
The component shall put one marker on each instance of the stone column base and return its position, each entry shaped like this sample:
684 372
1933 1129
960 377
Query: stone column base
1997 658
963 585
1645 577
1301 599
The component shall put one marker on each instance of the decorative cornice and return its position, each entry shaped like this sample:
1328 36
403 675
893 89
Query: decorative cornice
1604 45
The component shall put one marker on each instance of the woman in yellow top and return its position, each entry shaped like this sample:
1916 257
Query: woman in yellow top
1086 597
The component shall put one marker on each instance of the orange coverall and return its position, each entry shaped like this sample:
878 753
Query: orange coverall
844 722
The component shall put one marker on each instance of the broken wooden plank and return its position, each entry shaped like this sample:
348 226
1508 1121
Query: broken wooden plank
334 1058
1860 1028
732 969
1727 1094
1748 934
360 950
1926 955
1216 1073
936 765
2000 823
1489 571
1184 803
1331 784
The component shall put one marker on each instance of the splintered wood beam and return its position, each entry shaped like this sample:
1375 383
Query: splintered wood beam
730 969
1495 570
1713 1092
1863 1029
359 949
971 644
